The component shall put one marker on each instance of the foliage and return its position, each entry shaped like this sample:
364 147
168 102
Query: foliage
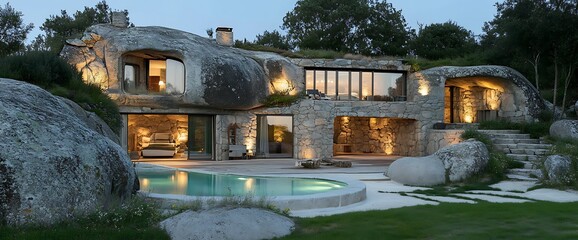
443 40
471 59
273 39
353 26
325 54
136 219
61 27
281 99
539 39
256 47
475 221
13 31
54 74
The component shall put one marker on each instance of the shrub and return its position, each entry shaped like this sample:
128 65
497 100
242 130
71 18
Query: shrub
281 99
47 70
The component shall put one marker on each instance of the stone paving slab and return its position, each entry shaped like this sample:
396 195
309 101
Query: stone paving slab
514 185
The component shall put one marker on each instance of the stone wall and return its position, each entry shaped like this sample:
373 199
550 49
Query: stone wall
442 138
375 135
142 126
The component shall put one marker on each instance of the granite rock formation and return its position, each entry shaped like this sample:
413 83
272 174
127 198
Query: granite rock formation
216 76
52 165
454 163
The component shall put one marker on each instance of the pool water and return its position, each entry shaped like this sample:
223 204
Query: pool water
168 181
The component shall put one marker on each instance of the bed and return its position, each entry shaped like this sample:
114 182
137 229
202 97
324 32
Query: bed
161 145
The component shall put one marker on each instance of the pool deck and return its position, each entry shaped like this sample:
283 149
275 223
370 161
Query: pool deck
381 192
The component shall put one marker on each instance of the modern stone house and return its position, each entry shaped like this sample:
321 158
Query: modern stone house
207 95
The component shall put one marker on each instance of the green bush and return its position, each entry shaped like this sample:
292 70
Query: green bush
47 70
281 99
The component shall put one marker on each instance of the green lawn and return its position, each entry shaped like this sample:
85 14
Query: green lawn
449 221
541 220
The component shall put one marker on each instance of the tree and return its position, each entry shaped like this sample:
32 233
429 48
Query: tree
273 39
59 28
443 40
13 31
354 26
543 33
385 31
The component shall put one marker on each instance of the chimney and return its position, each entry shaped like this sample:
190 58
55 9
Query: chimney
119 19
225 36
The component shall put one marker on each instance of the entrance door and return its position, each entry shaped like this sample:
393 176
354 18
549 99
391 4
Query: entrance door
201 129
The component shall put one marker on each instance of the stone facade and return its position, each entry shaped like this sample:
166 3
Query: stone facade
230 85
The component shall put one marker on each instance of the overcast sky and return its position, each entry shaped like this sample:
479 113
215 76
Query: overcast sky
248 17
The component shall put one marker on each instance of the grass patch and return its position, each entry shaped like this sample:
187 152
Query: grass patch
281 99
136 219
539 220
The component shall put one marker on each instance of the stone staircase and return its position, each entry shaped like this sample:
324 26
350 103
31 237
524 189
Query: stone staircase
520 147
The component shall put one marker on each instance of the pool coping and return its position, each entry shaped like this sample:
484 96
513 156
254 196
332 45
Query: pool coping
354 192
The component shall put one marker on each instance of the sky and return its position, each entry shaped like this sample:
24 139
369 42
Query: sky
248 17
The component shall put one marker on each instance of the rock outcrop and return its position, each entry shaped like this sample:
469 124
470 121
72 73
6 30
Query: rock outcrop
52 165
215 76
450 164
223 223
91 120
558 169
565 129
519 100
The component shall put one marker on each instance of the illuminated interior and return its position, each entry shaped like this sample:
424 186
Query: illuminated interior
356 85
477 99
150 72
373 135
274 136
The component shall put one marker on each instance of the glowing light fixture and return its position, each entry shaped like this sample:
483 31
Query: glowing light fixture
469 119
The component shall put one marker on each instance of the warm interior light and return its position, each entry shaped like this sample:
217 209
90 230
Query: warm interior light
162 86
281 85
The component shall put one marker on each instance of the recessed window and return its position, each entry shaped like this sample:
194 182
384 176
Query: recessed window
146 73
274 136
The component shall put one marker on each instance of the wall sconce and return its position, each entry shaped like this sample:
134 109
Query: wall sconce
162 86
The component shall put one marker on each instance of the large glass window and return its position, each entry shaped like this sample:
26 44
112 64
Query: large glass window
357 85
274 136
343 86
144 75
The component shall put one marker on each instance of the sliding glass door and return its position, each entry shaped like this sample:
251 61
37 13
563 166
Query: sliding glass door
201 129
274 136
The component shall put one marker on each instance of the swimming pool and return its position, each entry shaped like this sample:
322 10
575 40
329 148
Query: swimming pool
177 182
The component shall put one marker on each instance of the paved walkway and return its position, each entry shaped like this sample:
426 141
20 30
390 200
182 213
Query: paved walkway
382 193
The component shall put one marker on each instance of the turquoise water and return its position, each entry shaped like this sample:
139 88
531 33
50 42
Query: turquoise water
200 184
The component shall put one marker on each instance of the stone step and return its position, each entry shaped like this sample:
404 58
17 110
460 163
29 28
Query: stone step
515 141
491 132
534 146
511 136
539 152
523 157
531 173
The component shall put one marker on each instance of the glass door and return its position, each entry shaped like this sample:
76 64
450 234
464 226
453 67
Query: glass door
200 140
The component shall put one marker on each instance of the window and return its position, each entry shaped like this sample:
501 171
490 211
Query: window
357 85
274 136
146 75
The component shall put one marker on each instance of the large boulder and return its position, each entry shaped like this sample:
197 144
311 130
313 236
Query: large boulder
464 159
91 120
226 223
558 169
216 76
450 164
564 129
418 171
52 165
